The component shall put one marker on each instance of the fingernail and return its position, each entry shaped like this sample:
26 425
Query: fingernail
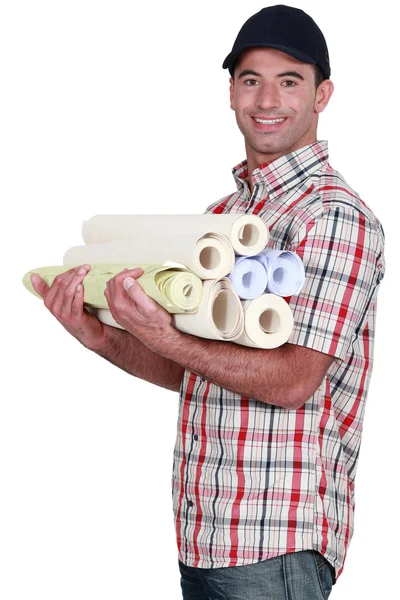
81 271
128 282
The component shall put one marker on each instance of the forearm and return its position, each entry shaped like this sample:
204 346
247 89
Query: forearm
285 376
128 353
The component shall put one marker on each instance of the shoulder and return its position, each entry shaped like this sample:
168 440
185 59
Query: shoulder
333 190
334 204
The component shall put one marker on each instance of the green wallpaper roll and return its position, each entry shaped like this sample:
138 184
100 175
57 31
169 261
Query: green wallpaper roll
175 289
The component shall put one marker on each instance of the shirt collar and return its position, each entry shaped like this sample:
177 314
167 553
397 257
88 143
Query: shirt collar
285 172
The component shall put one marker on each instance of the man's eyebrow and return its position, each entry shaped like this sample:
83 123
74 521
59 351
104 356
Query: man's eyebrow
285 74
291 74
248 72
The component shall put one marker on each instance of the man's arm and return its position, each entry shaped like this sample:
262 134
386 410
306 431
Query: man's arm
128 353
64 299
285 376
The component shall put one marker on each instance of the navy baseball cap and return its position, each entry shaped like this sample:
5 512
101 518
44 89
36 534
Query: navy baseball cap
284 28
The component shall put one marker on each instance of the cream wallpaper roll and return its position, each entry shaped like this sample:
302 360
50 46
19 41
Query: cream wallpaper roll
209 256
268 322
248 234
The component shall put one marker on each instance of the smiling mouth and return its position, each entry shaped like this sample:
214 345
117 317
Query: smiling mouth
269 121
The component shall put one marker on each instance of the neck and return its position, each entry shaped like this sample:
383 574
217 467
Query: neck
255 159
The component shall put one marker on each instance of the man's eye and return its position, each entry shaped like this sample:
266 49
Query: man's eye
289 83
251 82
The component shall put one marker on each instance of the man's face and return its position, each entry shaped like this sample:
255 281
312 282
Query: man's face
275 102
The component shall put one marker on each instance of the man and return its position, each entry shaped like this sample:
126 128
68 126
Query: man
268 440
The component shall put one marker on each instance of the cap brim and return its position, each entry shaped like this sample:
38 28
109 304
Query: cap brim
233 56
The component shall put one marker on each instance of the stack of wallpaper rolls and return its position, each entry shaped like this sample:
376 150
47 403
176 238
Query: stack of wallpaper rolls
213 273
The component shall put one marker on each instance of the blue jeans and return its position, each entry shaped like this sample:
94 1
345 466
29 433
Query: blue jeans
304 575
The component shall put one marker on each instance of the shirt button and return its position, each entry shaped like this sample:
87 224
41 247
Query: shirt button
195 437
190 503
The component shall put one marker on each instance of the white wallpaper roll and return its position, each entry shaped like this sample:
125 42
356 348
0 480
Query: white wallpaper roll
249 278
210 256
285 271
268 322
247 233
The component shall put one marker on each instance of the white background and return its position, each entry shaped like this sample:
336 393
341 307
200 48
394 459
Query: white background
111 107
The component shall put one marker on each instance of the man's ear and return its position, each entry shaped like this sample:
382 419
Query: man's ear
323 95
231 84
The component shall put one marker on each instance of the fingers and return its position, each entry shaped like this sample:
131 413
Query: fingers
122 304
39 285
145 305
70 285
77 302
115 284
117 279
61 294
132 308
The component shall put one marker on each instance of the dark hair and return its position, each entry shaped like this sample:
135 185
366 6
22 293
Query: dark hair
318 74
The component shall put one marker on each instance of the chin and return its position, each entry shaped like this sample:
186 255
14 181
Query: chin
280 149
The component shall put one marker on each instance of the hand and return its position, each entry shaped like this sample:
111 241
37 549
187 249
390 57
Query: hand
64 299
135 311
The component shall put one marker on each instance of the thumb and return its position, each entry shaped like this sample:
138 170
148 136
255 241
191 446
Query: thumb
39 285
144 303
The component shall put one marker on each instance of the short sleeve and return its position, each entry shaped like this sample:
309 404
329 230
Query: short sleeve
342 255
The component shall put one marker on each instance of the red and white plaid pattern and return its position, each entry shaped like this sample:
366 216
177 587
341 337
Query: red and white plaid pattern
253 480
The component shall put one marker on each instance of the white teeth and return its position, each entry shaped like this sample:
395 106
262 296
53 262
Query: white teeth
268 121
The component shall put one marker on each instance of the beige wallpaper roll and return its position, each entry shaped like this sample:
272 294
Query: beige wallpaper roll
247 233
210 256
220 315
268 322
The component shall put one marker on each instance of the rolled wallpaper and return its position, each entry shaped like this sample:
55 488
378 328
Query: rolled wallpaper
202 300
175 289
285 271
248 234
209 256
220 315
268 322
249 277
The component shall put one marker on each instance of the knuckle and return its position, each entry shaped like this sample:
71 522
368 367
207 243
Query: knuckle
63 283
58 279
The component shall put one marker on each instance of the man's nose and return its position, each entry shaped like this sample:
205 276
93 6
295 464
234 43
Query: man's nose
268 97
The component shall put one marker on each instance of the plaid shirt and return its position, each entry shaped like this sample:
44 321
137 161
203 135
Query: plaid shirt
253 480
